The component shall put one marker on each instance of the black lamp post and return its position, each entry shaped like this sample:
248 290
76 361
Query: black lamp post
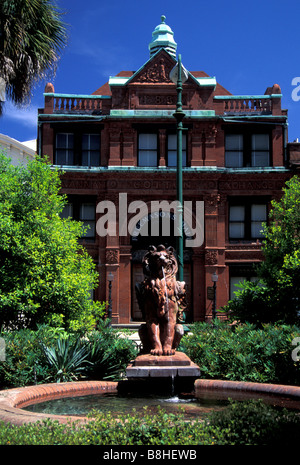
110 278
214 278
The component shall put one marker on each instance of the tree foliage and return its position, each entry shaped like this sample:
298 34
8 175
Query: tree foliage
45 274
276 295
32 35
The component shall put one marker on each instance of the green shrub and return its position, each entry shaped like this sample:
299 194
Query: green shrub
243 352
250 423
24 359
254 423
50 354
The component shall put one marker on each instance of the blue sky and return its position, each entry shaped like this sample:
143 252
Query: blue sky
247 46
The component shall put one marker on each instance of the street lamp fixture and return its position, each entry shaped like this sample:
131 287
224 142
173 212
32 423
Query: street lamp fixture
110 278
214 278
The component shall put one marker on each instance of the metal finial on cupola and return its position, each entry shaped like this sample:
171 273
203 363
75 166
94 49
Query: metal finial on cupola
163 37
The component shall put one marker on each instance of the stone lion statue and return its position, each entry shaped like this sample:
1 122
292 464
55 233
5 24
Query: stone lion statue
162 301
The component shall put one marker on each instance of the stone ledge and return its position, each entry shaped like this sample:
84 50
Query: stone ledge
162 366
216 385
162 371
179 359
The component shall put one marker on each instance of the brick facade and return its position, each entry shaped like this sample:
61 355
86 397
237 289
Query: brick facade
237 160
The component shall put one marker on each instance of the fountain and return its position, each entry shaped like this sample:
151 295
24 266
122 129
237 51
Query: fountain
162 301
159 374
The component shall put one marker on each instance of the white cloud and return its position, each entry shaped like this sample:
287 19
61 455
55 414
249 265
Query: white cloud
26 116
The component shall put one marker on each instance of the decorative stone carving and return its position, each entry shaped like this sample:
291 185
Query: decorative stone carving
165 100
158 72
162 301
211 203
112 256
211 257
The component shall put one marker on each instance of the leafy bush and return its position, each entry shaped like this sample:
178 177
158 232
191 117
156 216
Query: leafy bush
254 423
44 270
52 354
251 423
24 359
277 299
243 352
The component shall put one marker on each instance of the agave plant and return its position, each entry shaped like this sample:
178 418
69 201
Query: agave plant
67 359
102 364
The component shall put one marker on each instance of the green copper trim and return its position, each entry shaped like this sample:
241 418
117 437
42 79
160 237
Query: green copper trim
251 117
163 169
160 113
206 81
163 37
68 116
243 97
91 97
118 80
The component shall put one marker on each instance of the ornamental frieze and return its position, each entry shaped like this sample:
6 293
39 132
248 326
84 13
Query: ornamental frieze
158 72
250 185
82 184
158 184
154 99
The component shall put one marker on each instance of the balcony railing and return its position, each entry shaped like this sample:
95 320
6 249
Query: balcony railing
74 104
247 104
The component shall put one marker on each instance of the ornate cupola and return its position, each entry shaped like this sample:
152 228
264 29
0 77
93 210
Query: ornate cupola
163 37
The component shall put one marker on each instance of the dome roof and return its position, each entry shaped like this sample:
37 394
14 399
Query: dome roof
162 37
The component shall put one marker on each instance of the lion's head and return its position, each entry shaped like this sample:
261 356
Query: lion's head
160 262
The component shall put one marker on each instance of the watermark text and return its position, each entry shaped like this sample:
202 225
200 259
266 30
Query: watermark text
160 218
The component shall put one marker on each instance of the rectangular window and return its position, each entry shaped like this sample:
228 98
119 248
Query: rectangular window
236 280
247 150
234 151
64 149
246 220
83 210
87 216
77 149
90 150
147 155
237 222
258 217
172 150
260 154
67 211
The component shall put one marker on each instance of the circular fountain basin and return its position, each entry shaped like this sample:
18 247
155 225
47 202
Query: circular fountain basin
209 394
12 401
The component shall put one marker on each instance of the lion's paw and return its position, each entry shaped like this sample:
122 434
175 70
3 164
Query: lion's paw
156 352
168 351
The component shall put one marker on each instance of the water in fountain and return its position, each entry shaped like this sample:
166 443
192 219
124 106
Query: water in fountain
130 404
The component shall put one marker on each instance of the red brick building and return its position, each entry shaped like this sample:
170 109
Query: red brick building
122 139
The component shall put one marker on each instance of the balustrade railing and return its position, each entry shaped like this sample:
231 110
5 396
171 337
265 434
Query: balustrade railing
74 104
239 104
